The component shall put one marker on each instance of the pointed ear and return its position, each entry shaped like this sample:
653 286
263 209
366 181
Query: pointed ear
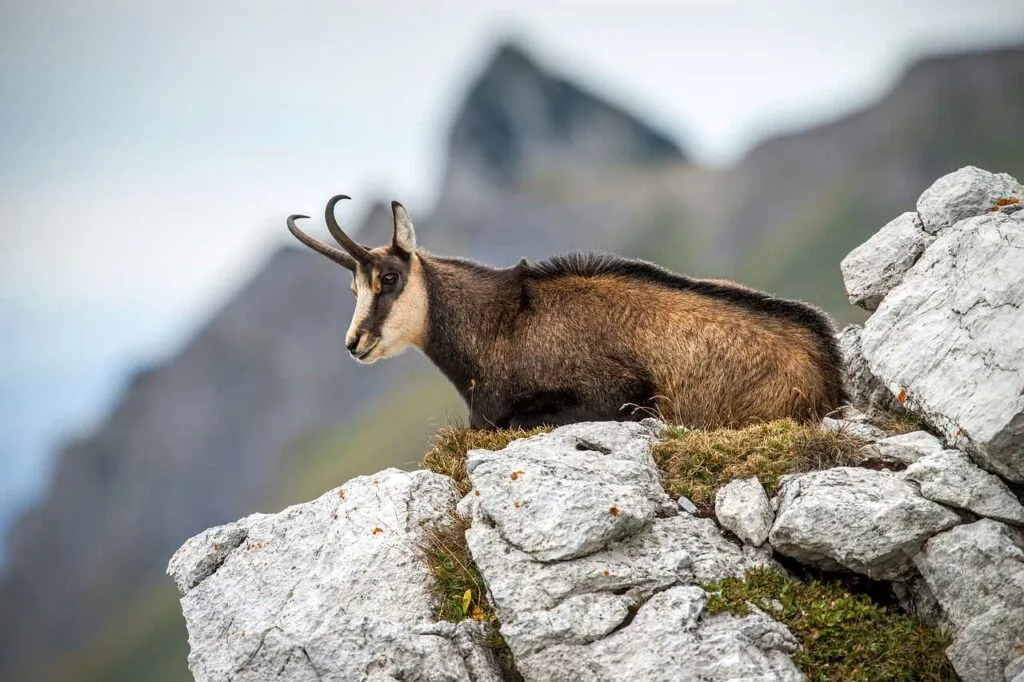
405 235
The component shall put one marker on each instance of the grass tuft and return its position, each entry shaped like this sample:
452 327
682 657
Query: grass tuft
844 637
697 463
448 450
459 589
897 423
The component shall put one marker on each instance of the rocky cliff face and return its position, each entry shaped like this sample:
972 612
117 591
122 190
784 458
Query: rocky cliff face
595 573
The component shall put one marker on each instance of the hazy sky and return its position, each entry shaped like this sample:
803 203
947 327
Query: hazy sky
149 151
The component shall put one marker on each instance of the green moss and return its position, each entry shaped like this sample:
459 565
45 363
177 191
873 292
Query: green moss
459 590
696 463
843 636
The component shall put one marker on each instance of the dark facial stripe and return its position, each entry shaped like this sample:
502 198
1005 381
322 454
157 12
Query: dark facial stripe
380 308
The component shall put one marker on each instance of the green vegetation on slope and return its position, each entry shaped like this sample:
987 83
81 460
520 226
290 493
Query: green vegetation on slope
845 637
696 463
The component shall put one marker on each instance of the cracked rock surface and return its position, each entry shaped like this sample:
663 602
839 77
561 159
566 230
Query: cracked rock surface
871 522
872 269
976 572
949 477
864 388
948 339
593 597
570 492
334 589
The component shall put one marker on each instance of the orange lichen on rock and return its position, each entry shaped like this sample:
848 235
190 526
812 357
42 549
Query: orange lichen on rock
902 396
378 531
1006 201
517 474
614 511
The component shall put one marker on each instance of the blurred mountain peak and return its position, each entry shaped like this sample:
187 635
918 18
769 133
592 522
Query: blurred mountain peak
520 121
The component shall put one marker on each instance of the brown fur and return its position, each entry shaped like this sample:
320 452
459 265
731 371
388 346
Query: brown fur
596 337
525 351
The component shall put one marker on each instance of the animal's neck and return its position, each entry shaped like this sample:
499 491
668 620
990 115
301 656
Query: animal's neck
467 305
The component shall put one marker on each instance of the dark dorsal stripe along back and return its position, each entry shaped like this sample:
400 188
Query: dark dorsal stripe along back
601 264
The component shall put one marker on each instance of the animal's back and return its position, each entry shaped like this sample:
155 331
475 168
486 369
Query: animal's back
713 353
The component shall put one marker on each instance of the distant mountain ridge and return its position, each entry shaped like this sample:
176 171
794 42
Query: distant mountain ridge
519 121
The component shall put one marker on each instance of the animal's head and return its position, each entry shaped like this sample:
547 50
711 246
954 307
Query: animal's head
388 283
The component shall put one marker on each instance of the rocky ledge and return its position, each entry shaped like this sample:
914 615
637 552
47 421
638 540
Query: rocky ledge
595 573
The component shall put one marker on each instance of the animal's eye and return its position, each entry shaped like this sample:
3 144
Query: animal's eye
389 280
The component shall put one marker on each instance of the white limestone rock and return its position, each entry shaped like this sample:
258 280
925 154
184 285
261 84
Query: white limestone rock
950 478
742 507
672 639
905 448
872 269
965 193
976 572
564 588
330 589
866 521
864 388
568 493
948 340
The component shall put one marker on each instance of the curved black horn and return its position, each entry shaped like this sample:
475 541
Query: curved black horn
334 253
357 251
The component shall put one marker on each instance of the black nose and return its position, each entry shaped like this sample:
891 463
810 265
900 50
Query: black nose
352 345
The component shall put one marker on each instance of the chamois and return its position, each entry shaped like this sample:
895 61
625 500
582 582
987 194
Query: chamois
585 337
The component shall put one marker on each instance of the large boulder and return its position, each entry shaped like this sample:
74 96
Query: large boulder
976 572
332 589
947 287
542 492
947 340
593 572
871 522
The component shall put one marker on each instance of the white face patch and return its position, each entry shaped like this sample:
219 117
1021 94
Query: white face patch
405 324
364 302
